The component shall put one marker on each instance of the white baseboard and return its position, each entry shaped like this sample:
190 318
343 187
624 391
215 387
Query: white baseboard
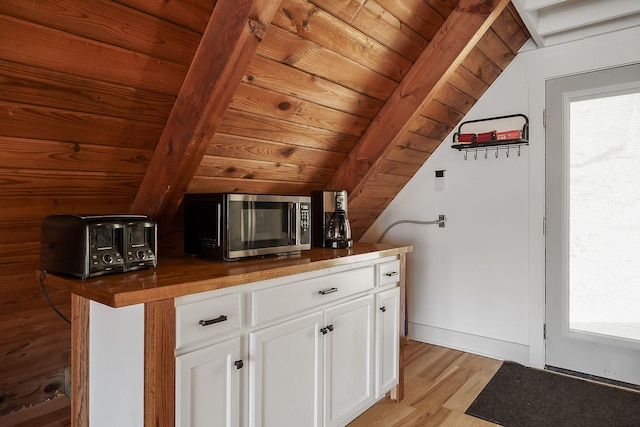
489 347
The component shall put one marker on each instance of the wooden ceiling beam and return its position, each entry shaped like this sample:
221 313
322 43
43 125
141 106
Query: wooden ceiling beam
230 40
461 31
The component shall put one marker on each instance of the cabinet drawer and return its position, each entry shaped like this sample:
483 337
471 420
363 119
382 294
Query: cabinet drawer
205 319
272 303
388 273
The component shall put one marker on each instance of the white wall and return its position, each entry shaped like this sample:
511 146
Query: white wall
478 283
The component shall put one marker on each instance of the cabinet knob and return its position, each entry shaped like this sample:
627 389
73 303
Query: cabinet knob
324 331
239 364
330 328
219 319
383 309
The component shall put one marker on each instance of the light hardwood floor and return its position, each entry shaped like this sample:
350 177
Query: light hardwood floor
440 384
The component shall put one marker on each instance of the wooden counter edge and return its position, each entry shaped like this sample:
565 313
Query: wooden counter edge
135 295
159 363
397 393
79 361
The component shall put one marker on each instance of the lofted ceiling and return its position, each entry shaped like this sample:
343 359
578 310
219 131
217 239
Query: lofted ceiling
352 95
125 105
559 21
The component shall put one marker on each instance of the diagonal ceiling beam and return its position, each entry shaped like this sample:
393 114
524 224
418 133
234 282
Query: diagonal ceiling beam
464 27
230 40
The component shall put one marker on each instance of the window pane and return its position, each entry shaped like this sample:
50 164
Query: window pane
605 215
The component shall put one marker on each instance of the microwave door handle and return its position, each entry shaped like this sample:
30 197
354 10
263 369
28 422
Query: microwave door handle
219 222
251 224
293 238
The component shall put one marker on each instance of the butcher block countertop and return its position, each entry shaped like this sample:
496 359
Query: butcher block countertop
174 277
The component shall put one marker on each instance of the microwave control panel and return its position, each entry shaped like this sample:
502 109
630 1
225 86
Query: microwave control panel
304 216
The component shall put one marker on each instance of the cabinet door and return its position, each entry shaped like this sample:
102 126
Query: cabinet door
285 374
208 386
348 360
387 340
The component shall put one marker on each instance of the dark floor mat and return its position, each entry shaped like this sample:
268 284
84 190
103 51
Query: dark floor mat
524 397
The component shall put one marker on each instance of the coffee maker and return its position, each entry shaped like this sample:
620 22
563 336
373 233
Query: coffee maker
329 221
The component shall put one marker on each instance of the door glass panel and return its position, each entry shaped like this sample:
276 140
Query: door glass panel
604 218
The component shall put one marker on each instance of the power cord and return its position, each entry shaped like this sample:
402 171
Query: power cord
43 274
439 221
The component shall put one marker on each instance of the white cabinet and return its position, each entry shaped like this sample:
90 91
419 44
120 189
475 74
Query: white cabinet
348 387
209 360
285 300
388 273
318 349
314 370
208 386
207 318
286 374
387 340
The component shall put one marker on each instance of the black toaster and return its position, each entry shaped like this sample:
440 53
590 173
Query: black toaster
93 245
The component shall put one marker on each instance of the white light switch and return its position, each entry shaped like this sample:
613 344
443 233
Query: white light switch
440 180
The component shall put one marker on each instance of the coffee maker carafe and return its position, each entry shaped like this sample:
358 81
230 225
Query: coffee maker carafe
329 220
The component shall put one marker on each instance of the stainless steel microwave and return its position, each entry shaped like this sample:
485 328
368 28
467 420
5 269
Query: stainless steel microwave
230 226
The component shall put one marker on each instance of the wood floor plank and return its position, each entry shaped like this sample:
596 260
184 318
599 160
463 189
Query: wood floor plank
466 394
386 413
460 419
440 384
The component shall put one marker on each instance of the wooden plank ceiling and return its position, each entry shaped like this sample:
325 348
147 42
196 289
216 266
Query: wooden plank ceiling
111 106
339 94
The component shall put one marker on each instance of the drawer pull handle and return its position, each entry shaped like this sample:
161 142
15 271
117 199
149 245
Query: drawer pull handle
383 309
222 318
239 364
328 291
391 274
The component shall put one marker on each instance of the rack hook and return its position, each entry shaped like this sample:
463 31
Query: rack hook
486 152
497 152
519 150
475 155
508 151
465 154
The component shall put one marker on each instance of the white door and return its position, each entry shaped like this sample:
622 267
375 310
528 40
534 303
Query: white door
208 386
285 374
593 224
348 360
387 340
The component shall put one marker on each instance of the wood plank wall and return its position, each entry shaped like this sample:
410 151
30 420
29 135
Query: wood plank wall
322 73
85 89
294 118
